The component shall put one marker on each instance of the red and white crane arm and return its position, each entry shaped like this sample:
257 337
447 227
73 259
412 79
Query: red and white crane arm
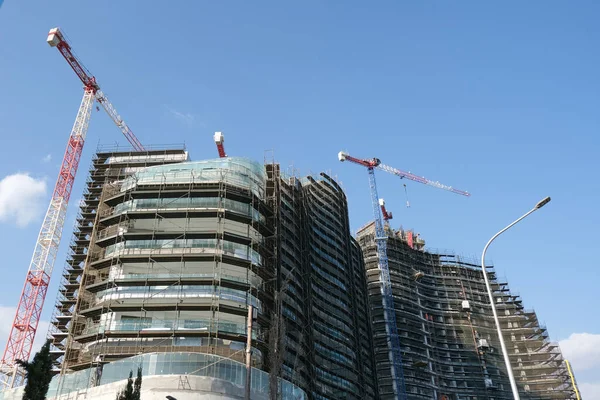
57 39
376 163
114 115
420 179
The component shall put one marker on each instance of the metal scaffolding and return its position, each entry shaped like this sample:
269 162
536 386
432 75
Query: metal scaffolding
446 330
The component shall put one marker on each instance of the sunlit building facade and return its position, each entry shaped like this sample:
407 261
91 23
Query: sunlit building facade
169 254
450 348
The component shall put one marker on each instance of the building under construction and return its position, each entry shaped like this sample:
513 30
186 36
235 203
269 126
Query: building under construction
449 344
322 286
167 257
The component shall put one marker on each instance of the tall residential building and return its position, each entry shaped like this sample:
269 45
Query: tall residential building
321 278
108 170
450 349
168 255
167 258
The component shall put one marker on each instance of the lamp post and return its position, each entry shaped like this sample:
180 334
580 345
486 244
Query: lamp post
249 322
511 377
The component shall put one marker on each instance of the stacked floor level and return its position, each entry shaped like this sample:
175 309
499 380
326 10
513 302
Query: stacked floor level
168 256
322 284
449 344
108 169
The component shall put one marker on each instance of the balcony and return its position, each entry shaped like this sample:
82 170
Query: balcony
188 326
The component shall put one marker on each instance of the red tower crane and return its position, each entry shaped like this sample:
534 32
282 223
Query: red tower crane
30 306
220 141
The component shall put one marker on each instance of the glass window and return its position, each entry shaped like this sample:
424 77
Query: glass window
237 171
229 248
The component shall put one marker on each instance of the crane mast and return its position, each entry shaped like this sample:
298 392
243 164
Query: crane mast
29 310
31 302
381 214
389 313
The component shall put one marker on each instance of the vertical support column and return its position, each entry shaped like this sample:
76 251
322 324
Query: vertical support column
572 379
389 311
249 351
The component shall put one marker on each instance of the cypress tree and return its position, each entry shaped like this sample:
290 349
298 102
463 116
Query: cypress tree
137 385
132 389
38 373
127 393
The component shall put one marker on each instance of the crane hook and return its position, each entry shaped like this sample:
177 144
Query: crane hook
406 193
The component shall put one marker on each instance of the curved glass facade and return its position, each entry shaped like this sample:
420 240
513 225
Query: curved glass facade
177 292
234 249
189 203
235 171
178 363
328 348
338 292
176 257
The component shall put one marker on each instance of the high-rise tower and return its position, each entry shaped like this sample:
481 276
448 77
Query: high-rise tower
322 287
167 258
450 349
110 166
169 254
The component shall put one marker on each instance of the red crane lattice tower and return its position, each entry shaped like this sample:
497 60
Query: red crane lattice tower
29 309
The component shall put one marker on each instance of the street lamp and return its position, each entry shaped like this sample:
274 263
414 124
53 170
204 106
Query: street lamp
511 377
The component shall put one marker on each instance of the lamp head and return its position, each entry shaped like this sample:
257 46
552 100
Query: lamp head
542 203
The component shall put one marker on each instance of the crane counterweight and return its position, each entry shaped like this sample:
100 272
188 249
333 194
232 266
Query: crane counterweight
53 37
220 142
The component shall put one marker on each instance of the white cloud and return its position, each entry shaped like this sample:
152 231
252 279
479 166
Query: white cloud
186 118
7 315
47 158
21 198
589 390
582 350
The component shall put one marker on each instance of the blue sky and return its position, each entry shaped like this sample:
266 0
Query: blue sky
497 99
